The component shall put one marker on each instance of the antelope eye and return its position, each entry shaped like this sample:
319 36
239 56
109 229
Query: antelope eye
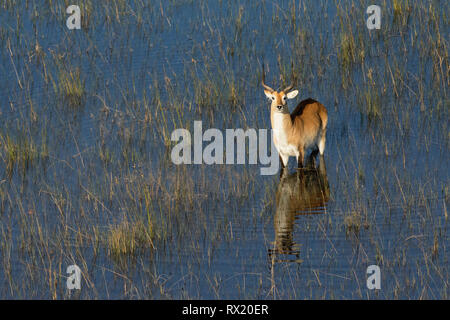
273 98
284 98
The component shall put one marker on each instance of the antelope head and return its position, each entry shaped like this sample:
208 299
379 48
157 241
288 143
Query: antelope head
279 99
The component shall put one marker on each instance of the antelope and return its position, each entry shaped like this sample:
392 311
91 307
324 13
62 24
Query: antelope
295 132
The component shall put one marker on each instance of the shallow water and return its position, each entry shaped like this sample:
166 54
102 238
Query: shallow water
380 195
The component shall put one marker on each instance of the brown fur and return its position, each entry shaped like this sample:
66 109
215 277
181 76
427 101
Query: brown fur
304 127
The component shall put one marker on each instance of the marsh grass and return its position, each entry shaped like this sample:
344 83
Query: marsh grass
71 87
402 11
20 152
108 198
347 51
128 238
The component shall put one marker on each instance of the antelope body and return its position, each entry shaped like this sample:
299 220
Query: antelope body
295 132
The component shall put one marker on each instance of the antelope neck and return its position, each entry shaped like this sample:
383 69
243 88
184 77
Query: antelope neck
281 122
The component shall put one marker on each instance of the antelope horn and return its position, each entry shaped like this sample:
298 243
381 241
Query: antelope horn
263 78
266 86
288 88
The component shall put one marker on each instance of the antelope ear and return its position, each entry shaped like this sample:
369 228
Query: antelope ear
292 94
268 94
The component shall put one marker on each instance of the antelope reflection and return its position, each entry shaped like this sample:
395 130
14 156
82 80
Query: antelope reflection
300 193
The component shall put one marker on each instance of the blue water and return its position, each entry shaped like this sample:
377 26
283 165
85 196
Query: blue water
392 170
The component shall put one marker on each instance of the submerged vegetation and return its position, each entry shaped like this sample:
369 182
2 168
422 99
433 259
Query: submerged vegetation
71 87
85 142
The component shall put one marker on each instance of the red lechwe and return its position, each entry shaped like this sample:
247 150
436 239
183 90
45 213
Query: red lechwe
295 132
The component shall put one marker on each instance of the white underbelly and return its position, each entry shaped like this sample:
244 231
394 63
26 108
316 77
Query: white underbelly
285 148
280 138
